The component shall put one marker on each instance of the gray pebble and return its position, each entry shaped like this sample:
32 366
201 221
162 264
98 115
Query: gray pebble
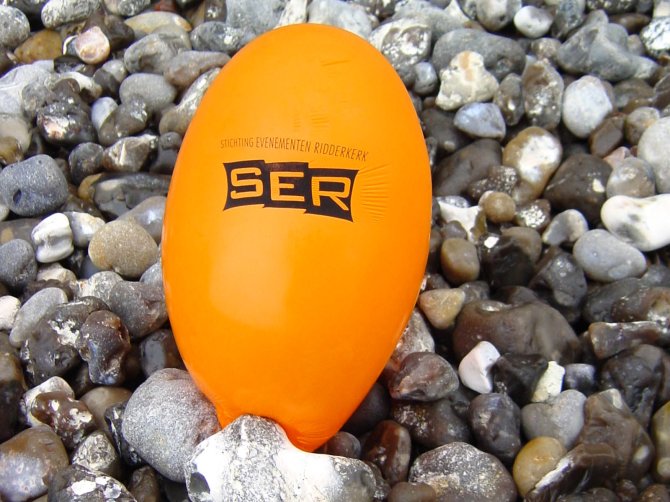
252 459
141 306
532 21
99 285
17 264
568 17
586 103
148 22
129 155
153 53
632 177
606 258
153 275
104 345
345 15
96 452
83 226
15 80
154 90
56 13
101 110
149 215
178 118
127 119
425 78
481 120
166 418
77 483
565 228
126 8
14 27
562 417
186 66
654 147
219 37
32 311
441 20
34 186
252 16
638 121
404 43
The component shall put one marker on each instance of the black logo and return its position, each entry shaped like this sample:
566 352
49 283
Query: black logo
318 190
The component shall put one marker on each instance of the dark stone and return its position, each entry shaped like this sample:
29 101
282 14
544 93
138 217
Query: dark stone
389 447
144 485
517 375
342 444
467 165
84 160
374 408
114 419
581 377
17 264
64 123
69 418
12 388
66 486
439 125
412 492
495 421
607 136
600 300
104 346
114 194
140 306
608 339
499 179
506 263
423 376
645 304
159 350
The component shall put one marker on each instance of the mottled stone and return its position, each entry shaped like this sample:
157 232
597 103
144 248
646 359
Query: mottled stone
151 21
459 261
586 102
543 94
423 376
96 452
12 387
77 483
404 42
152 53
509 98
17 264
345 15
68 418
656 36
517 375
466 166
389 447
632 177
537 457
104 345
32 311
140 306
465 80
124 247
178 118
441 306
98 399
149 215
56 13
532 21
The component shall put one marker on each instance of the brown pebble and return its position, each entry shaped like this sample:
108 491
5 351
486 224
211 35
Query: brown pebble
92 46
537 457
412 492
45 44
498 207
100 398
460 262
441 306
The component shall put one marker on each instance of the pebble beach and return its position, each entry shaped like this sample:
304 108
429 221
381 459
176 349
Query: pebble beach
535 364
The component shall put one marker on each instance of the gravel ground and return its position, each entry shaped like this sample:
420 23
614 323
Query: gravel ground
535 364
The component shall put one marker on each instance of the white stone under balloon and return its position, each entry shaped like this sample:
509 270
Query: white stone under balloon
52 238
252 459
475 368
550 383
642 223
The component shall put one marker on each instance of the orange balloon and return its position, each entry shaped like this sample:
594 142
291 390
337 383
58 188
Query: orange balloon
296 229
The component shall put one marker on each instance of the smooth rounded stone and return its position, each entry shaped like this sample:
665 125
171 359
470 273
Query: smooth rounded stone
53 384
441 306
535 154
52 238
345 15
56 13
532 21
389 447
17 264
465 80
517 375
423 376
532 328
660 431
373 409
128 155
32 311
140 306
632 177
104 344
457 211
10 153
495 15
404 42
123 246
560 417
253 459
601 300
459 261
84 160
550 383
178 118
459 471
466 166
498 207
92 46
295 12
509 98
579 183
536 458
144 484
656 36
164 420
98 399
150 21
565 228
34 186
126 8
495 421
435 423
83 227
154 90
152 54
149 215
440 19
68 418
500 55
481 120
158 351
15 80
425 78
9 306
560 279
115 194
96 453
638 221
153 275
12 388
127 119
412 492
607 136
606 258
586 102
42 45
28 462
183 70
342 444
654 148
542 94
14 27
76 483
217 36
608 420
475 369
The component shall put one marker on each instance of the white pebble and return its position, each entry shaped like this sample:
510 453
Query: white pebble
586 103
83 226
550 383
54 384
464 81
9 306
475 367
532 21
468 217
52 238
642 223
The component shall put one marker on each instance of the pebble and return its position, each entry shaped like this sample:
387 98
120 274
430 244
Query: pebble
53 384
42 45
656 36
68 418
151 21
517 375
465 80
475 369
561 281
33 187
29 461
586 102
660 430
98 399
509 98
495 15
374 408
115 194
104 344
96 453
565 228
481 120
423 376
638 221
632 177
17 264
184 69
166 417
441 306
345 15
158 351
412 492
83 227
92 46
535 154
495 421
12 388
217 36
140 306
178 118
459 261
536 458
9 306
389 447
144 484
543 94
653 148
152 53
65 123
52 238
581 377
466 167
14 26
459 471
126 8
76 483
560 417
425 78
550 383
129 155
532 21
149 215
99 285
32 311
440 19
56 13
606 258
404 42
220 468
123 246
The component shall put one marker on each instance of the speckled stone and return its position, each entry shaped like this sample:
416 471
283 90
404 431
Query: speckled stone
77 483
17 264
349 16
152 53
465 80
14 26
542 94
56 13
32 311
404 42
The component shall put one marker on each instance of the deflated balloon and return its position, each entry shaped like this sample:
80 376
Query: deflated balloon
296 229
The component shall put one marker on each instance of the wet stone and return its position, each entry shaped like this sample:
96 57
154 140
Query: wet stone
504 262
606 258
70 419
76 483
65 123
535 215
96 452
28 462
517 375
542 93
389 447
104 345
54 384
535 459
459 471
32 311
633 177
608 339
643 304
12 387
654 493
509 98
465 80
159 351
342 444
581 377
17 264
373 409
98 399
495 421
423 376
